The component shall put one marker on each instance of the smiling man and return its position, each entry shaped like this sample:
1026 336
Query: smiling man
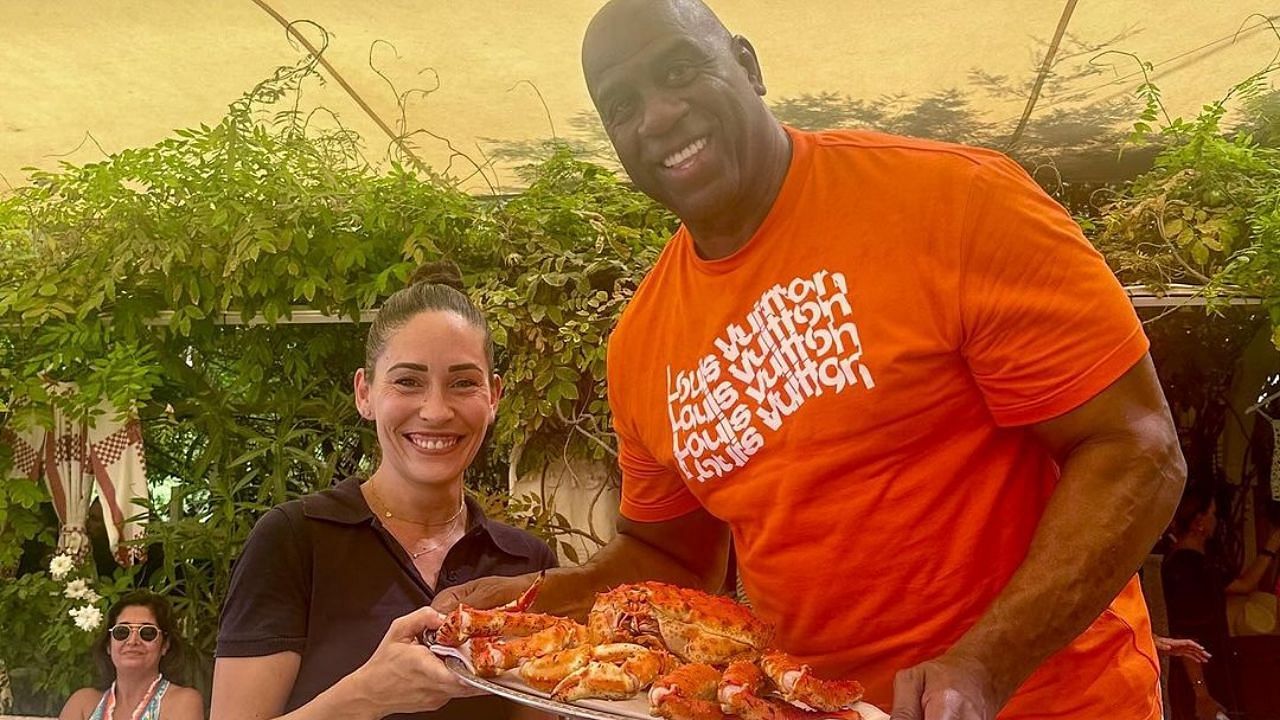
897 376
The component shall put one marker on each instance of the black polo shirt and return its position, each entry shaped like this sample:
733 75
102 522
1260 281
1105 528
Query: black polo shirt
322 577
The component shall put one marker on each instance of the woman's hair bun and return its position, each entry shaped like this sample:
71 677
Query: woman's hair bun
438 272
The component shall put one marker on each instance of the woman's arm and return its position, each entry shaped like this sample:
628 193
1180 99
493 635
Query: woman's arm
182 703
253 688
257 688
401 676
1248 580
80 704
1207 708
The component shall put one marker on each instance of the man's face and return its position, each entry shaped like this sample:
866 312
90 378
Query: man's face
680 100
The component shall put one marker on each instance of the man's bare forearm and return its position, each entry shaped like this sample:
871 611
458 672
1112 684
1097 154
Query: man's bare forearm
691 551
571 591
1114 498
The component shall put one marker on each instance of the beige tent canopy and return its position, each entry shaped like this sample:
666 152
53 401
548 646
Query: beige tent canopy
128 73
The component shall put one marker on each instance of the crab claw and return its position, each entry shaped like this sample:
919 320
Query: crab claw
597 680
465 622
527 597
797 683
742 691
686 693
616 671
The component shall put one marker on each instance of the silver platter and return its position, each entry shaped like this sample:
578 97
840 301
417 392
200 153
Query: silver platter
510 686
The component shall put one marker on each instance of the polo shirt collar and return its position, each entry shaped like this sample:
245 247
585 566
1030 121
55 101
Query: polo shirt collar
345 504
342 503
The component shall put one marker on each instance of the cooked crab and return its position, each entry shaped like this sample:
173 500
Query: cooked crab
636 637
693 625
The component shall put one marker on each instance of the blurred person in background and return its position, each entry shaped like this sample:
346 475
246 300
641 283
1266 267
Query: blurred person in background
140 658
1196 591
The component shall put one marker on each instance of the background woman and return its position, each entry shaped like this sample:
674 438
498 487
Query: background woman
139 658
1196 592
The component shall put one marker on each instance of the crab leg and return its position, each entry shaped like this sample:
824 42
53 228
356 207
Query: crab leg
492 656
687 693
741 692
544 673
510 620
617 671
466 622
597 680
527 597
797 683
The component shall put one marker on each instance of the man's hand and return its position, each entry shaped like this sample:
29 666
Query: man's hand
485 593
404 676
691 550
945 688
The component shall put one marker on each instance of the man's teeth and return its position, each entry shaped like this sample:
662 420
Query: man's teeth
433 443
693 149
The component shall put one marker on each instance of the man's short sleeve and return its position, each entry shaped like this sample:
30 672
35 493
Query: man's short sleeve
651 492
266 608
1046 325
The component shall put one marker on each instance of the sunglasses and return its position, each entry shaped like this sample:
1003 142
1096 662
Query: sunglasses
146 632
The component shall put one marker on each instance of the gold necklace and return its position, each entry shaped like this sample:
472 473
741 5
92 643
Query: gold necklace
415 555
386 512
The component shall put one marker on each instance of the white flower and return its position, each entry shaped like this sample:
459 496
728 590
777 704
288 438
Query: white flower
87 618
76 589
79 589
60 565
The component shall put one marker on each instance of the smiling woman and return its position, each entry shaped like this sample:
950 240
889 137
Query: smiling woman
330 594
139 655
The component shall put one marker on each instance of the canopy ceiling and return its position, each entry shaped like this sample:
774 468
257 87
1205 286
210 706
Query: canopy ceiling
131 72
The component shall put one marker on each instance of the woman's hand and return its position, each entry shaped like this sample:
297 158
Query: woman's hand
402 675
1182 647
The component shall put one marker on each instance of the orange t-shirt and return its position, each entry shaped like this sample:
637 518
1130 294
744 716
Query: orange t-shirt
850 392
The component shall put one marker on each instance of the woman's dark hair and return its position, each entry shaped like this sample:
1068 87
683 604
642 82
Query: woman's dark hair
1196 500
173 664
436 286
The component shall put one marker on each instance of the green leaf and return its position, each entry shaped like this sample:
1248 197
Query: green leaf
567 391
25 492
570 553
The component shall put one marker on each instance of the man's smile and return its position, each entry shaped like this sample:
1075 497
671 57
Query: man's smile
685 154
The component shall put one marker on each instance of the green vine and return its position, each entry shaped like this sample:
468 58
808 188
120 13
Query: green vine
160 280
1208 212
